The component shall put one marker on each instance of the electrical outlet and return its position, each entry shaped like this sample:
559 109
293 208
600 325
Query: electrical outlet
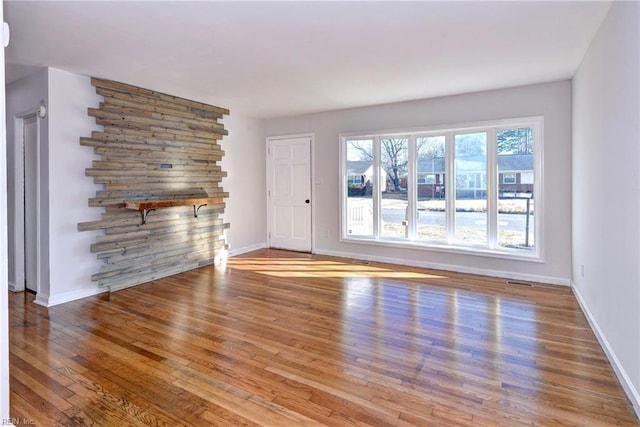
581 270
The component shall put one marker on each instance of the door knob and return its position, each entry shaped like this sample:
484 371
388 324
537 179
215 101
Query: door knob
307 201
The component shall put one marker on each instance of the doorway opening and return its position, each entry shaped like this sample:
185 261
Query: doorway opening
27 203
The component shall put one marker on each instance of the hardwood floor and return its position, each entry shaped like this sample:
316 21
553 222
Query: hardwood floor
279 338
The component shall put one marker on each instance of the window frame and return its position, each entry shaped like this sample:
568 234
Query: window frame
449 131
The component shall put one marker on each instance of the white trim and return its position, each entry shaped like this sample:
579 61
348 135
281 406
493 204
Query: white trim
435 246
42 300
412 177
48 301
268 190
632 393
451 127
268 140
312 183
450 267
449 185
492 182
12 287
538 186
18 209
4 256
246 249
18 191
376 191
427 245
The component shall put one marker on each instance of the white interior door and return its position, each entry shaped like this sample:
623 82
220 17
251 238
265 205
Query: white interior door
30 203
289 193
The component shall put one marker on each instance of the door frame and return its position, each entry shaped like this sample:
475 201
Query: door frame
18 209
269 141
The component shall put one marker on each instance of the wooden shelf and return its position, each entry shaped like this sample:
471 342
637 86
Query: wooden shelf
146 206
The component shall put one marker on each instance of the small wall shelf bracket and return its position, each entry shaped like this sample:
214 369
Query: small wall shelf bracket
196 209
143 214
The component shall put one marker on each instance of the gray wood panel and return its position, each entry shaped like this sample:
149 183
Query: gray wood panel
154 146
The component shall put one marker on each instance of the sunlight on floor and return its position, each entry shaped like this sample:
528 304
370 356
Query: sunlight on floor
295 267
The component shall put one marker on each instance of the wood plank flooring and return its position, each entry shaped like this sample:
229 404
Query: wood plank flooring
280 339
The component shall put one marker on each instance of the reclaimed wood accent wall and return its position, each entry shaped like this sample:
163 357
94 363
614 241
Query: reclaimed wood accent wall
164 150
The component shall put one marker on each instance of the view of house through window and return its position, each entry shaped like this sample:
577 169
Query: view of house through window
359 169
470 151
458 188
515 190
394 201
430 165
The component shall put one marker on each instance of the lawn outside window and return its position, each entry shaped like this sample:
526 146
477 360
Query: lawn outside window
471 188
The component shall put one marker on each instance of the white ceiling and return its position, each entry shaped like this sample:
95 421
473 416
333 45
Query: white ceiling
273 59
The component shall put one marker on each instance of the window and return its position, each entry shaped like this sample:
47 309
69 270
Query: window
356 179
471 188
394 203
430 164
526 178
426 178
508 178
359 203
470 197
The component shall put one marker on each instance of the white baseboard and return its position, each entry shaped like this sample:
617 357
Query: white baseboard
632 393
42 300
240 251
450 267
50 301
13 287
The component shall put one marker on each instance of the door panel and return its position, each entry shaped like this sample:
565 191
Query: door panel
282 221
282 184
290 193
299 227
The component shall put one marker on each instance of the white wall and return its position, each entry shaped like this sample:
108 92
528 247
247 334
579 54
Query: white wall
68 263
22 96
606 189
71 263
551 100
244 161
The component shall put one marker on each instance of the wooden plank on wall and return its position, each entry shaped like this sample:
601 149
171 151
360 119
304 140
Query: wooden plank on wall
154 147
155 96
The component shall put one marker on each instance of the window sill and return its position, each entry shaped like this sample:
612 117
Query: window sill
514 255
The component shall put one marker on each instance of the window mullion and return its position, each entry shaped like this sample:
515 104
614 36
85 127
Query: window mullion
449 185
492 189
412 192
538 184
376 188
